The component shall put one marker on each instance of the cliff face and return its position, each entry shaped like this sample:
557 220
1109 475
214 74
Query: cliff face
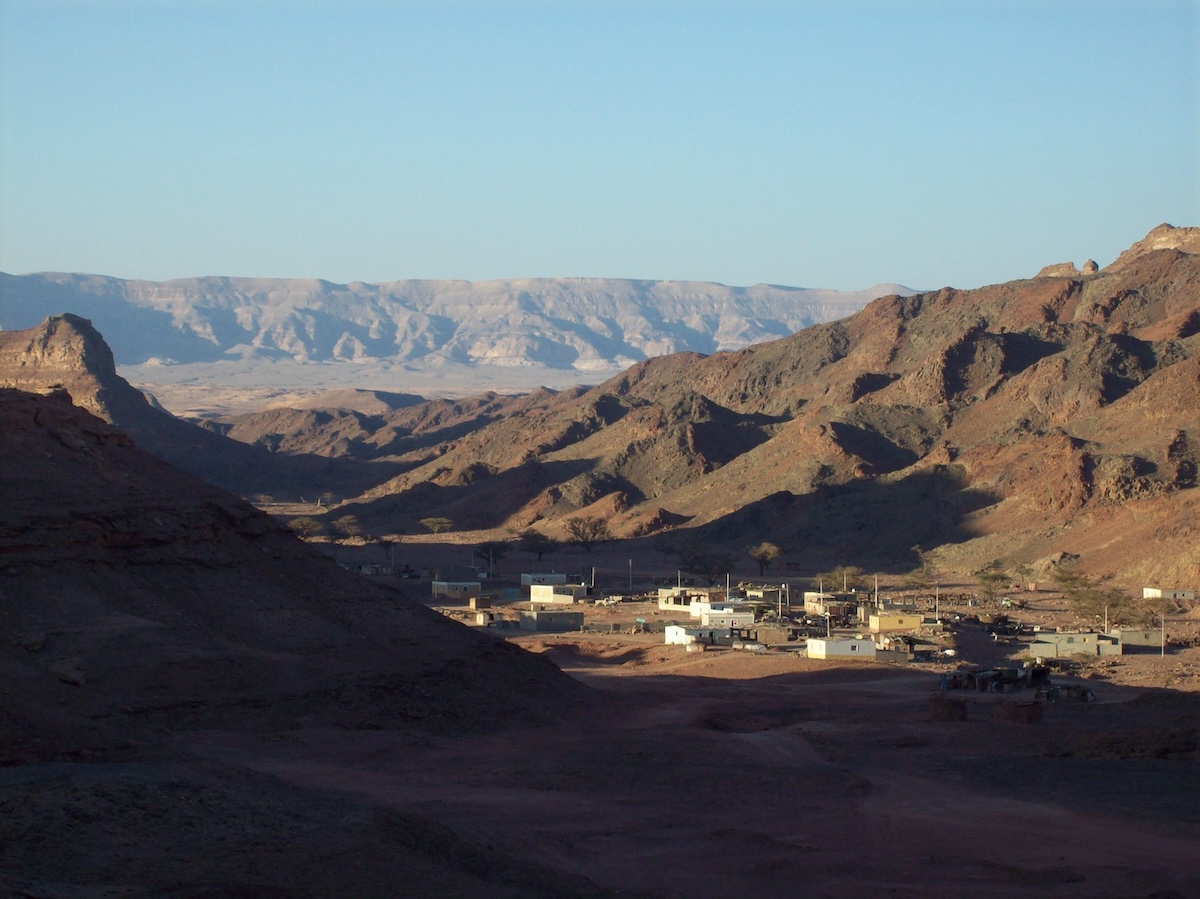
65 352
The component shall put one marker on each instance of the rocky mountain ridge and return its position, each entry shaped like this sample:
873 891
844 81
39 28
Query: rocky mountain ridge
580 324
1012 422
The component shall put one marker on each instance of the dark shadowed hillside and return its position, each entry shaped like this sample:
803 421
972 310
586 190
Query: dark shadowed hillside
139 605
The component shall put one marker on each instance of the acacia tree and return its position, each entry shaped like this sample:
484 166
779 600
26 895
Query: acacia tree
851 577
926 573
305 526
707 562
437 525
388 545
667 547
348 525
493 551
992 579
764 554
536 543
1088 599
588 531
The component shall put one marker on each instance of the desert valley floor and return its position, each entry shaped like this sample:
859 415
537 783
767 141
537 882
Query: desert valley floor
679 774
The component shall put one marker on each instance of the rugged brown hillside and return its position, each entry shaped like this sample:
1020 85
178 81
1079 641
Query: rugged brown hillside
1010 423
1004 423
181 605
139 607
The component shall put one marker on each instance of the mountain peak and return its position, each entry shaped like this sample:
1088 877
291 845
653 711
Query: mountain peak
1163 237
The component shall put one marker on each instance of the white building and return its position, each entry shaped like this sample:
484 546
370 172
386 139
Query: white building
676 635
1166 593
680 635
727 618
556 594
840 648
698 608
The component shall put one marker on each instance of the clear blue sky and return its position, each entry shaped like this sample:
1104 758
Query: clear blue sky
815 144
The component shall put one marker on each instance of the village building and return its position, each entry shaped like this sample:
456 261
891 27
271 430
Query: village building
1138 638
557 594
737 617
555 622
776 597
891 622
679 599
774 634
1055 645
1167 593
836 605
528 580
697 608
687 635
456 591
840 648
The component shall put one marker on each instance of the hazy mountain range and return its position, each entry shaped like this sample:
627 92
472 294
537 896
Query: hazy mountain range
574 324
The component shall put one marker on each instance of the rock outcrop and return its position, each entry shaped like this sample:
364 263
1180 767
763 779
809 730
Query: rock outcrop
65 352
1068 270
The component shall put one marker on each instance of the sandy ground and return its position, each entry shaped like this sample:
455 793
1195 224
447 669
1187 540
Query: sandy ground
722 773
